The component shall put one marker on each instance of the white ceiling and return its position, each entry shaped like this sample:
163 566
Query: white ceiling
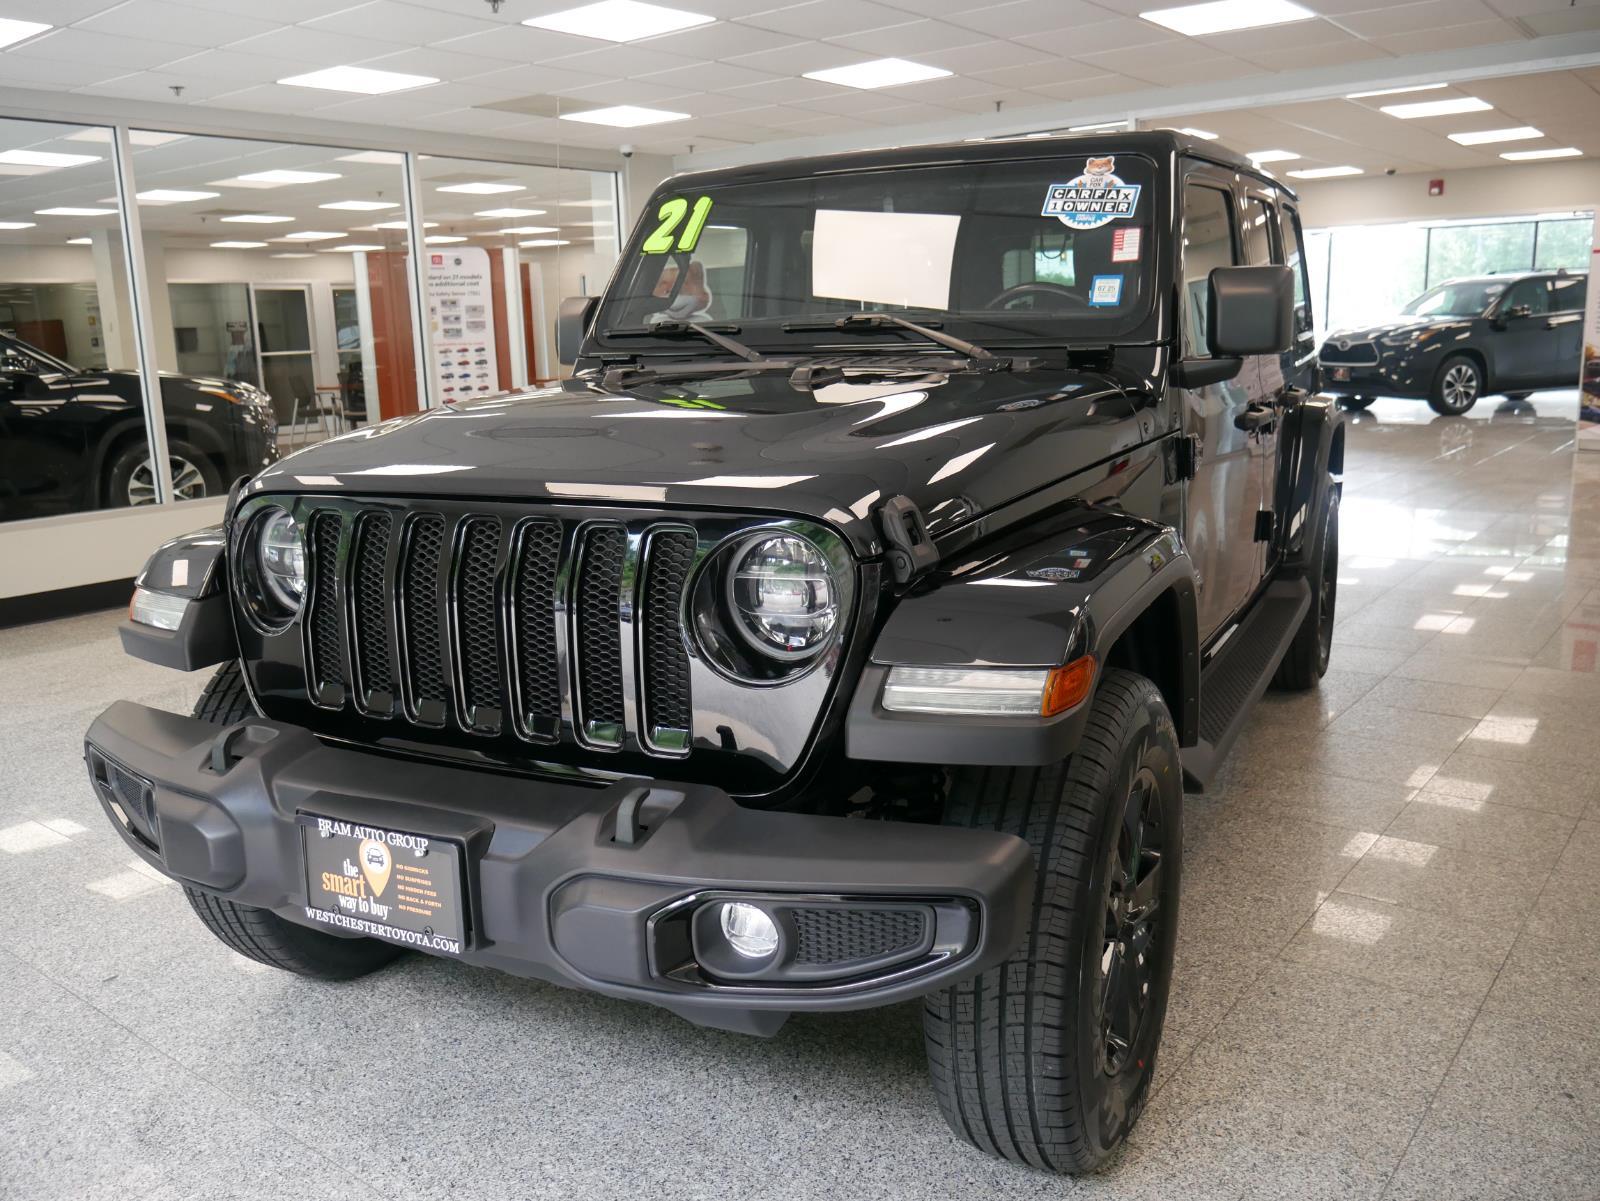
740 77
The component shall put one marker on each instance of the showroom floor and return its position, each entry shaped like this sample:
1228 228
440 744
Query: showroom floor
1389 964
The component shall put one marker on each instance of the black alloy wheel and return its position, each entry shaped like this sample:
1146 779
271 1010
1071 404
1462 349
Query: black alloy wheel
1133 929
1328 587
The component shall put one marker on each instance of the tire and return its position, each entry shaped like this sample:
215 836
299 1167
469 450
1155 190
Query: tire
1022 1067
260 934
1356 404
127 480
1456 385
1306 661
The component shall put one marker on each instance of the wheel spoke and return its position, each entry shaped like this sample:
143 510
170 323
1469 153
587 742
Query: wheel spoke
186 478
1146 894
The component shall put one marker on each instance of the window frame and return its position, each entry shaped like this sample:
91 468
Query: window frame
1198 177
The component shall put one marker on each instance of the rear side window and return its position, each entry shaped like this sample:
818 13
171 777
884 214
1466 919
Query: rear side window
1531 294
1210 240
1258 233
1568 293
1296 259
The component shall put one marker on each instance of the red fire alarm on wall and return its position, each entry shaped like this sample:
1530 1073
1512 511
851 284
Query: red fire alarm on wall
1436 187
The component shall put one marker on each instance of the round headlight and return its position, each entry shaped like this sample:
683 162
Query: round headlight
784 597
281 561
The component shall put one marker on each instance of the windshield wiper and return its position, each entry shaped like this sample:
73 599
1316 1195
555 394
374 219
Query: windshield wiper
871 321
672 328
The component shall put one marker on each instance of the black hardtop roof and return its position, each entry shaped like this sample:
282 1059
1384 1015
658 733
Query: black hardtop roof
1159 144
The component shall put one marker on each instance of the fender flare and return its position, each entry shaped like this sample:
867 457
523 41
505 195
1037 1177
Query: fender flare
1315 458
1041 598
191 566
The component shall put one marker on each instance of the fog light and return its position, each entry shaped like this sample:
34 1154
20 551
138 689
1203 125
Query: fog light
749 930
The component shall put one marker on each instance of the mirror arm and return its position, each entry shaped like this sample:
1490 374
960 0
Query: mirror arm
1197 373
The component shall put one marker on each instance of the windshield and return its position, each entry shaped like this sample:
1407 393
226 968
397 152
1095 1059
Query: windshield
1045 251
1465 298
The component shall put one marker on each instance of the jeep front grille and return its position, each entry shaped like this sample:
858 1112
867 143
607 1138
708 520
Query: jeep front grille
486 623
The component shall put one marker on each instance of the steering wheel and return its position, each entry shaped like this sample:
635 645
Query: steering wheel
1038 288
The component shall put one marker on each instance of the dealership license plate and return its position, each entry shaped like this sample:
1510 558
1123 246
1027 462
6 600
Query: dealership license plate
1341 374
405 888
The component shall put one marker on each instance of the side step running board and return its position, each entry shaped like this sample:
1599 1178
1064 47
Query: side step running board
1233 682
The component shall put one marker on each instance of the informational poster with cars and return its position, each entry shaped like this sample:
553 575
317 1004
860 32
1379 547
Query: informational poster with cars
461 315
1589 381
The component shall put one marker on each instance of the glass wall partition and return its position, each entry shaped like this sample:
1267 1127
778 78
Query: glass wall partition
277 275
505 244
72 412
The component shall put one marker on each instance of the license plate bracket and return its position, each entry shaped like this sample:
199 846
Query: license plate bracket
1341 374
403 887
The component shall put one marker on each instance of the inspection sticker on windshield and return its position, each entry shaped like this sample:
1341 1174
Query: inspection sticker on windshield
1095 198
1105 291
1126 244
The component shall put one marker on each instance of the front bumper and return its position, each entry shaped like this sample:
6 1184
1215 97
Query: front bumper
571 883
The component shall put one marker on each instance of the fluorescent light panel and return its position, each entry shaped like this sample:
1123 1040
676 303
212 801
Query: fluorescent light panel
362 80
238 245
528 229
139 137
402 225
1438 108
624 116
1419 87
509 213
310 235
1325 172
68 210
1485 137
80 241
1271 156
351 248
13 31
292 254
545 242
479 188
361 206
45 158
444 239
174 196
1205 135
280 177
388 157
619 20
879 73
1528 156
1223 16
258 219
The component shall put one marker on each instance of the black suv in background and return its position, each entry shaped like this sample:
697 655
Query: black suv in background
73 440
843 631
1506 334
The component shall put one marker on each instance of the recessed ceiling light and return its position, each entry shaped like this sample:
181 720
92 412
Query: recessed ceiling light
402 225
879 73
16 224
80 241
545 242
1528 156
1437 108
279 177
350 247
479 188
67 210
45 158
139 137
509 213
363 80
528 229
258 218
361 206
626 116
1420 87
1483 137
390 157
1220 16
1271 156
12 32
292 254
310 235
238 245
619 20
1326 172
1205 135
444 239
1097 127
174 196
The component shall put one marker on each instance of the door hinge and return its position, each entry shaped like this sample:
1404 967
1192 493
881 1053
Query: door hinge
1266 525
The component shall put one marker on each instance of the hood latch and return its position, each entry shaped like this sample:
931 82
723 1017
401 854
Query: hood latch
911 548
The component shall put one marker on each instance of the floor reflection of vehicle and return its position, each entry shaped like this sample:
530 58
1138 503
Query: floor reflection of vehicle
72 440
1505 334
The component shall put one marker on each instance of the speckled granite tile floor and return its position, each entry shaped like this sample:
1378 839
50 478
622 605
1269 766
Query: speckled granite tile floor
1387 969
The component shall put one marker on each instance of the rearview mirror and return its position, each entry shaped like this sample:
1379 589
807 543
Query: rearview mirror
571 325
1250 310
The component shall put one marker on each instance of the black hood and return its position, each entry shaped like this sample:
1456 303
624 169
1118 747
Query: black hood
958 445
1399 327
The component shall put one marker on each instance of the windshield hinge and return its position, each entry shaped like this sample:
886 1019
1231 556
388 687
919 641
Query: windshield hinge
911 549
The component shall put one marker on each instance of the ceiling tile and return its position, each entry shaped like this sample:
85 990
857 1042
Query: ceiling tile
721 39
831 18
1108 83
242 69
1453 37
1411 18
908 41
1570 20
158 85
86 46
282 10
520 80
49 72
441 64
711 77
986 56
1333 54
624 61
313 49
409 23
520 43
1524 8
1117 34
176 23
783 91
625 91
1021 17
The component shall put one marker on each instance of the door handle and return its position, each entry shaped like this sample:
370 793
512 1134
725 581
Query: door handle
1254 418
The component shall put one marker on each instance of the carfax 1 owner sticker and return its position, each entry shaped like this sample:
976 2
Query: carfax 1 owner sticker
1095 198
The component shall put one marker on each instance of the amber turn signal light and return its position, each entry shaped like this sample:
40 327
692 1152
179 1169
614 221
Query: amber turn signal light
1067 687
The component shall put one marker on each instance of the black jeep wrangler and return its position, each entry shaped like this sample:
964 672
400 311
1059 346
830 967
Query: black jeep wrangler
914 525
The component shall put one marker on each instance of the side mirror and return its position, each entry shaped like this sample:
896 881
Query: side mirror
15 383
1250 310
572 324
